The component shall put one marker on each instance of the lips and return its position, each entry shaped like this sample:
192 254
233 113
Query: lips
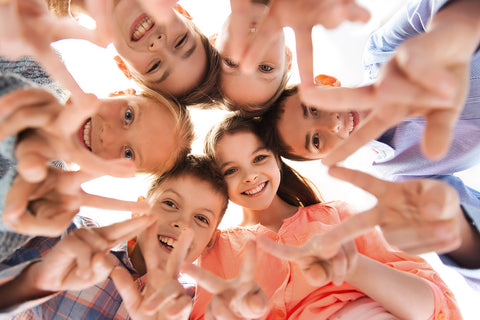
255 190
85 134
140 27
354 119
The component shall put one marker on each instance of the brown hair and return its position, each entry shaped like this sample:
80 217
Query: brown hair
294 189
269 126
184 129
201 167
206 94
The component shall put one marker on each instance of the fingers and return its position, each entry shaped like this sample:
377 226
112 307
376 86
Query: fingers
303 38
247 272
281 251
238 29
339 98
438 133
105 203
151 250
127 288
365 181
205 279
179 253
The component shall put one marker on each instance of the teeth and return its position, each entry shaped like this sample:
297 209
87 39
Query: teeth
168 241
350 117
256 190
143 26
86 133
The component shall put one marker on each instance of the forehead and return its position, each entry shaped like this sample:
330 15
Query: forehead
192 192
237 145
291 125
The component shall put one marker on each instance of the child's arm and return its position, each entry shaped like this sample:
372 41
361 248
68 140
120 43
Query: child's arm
239 298
163 297
403 294
77 262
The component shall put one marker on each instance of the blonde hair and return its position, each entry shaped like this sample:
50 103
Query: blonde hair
184 129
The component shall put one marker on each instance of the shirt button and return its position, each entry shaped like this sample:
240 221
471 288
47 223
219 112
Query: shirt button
280 313
441 316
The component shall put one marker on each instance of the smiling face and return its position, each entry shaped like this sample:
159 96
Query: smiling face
263 82
176 209
250 170
131 127
310 132
169 57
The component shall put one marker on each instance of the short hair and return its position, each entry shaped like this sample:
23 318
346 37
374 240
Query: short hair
269 126
294 189
184 129
198 166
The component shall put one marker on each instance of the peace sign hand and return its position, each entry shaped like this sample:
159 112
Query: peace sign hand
239 298
324 258
163 297
417 216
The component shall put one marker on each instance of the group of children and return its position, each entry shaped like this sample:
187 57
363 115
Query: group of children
309 261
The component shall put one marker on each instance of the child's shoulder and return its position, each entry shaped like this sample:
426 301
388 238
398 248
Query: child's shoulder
337 207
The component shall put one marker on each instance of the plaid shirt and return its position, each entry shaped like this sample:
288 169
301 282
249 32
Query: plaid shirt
101 301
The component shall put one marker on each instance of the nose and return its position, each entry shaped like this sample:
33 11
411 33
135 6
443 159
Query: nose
180 222
109 134
250 176
335 123
156 42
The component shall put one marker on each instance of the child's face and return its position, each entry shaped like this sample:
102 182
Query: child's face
185 202
311 132
263 83
131 127
250 170
169 57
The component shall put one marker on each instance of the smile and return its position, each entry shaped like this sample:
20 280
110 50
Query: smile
141 28
256 190
85 134
167 242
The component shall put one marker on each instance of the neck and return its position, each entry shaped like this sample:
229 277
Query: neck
271 217
137 260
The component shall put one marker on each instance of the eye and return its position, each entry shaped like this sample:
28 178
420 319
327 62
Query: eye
170 203
316 141
230 63
182 40
202 219
229 172
259 158
128 153
154 67
313 111
128 116
265 68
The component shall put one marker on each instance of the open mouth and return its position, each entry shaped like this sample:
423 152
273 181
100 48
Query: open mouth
140 27
167 242
354 118
85 134
256 190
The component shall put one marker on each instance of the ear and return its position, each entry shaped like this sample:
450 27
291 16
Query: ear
122 66
137 214
288 57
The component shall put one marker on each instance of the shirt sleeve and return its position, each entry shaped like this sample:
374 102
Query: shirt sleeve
411 20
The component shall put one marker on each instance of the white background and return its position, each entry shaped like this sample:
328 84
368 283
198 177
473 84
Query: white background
337 52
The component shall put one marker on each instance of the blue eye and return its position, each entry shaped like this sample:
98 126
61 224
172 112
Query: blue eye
264 68
128 116
128 153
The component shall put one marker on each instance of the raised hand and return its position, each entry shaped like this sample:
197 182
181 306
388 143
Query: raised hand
48 207
163 297
417 216
237 298
301 16
324 258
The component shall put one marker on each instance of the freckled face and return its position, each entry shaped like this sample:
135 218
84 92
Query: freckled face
311 132
250 170
185 202
134 128
167 55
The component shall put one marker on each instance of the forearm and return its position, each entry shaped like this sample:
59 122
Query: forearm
459 21
466 256
402 294
21 289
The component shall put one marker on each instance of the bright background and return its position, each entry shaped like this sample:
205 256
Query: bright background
337 52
